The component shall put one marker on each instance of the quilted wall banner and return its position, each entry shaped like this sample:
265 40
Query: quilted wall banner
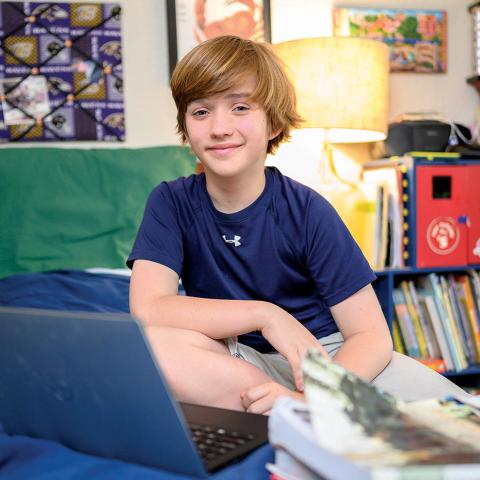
61 75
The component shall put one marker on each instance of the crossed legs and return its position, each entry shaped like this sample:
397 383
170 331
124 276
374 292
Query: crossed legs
201 370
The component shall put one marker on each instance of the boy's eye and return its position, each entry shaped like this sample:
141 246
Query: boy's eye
200 113
241 108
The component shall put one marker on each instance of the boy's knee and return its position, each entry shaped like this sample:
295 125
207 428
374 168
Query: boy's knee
168 340
410 380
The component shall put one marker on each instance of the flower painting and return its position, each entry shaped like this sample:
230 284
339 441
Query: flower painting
417 38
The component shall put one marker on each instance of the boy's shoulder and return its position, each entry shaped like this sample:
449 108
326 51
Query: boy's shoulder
182 195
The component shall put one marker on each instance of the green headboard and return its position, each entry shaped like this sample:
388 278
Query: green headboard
77 208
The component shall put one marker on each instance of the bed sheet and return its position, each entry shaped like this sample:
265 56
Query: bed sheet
73 290
24 458
27 458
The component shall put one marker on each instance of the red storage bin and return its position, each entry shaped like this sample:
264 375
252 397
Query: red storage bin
445 204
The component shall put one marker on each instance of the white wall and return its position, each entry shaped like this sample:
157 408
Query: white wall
150 112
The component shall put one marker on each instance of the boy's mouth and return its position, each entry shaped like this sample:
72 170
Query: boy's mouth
223 148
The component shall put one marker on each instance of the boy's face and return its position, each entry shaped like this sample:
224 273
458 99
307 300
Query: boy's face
228 131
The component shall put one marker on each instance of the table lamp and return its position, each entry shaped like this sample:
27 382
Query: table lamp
342 89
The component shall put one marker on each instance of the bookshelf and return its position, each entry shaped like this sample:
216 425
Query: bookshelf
440 238
390 280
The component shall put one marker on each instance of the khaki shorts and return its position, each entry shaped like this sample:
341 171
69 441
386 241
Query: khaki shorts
403 377
275 365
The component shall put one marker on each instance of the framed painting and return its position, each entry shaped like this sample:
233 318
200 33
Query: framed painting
190 22
417 38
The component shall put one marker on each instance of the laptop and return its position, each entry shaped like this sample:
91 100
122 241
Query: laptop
90 382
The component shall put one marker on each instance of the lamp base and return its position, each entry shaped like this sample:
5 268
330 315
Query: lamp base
329 177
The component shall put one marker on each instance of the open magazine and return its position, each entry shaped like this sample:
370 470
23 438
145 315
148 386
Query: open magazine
349 429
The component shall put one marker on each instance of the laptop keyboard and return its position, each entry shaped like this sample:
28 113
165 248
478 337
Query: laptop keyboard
212 442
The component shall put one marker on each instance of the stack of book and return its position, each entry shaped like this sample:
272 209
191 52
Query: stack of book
348 429
391 211
437 319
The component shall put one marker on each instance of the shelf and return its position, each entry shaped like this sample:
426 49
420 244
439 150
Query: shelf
471 370
425 200
389 278
424 271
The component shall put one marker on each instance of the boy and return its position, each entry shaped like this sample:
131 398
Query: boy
262 257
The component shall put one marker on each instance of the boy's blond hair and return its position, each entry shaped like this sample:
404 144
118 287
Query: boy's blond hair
218 64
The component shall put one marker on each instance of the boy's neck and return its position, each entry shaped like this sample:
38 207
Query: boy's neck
231 195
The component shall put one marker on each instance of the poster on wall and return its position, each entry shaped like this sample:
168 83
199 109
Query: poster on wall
417 38
190 22
61 75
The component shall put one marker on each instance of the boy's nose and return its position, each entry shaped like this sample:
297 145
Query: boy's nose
221 125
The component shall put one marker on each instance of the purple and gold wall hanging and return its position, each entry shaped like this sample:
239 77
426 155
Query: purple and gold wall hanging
61 75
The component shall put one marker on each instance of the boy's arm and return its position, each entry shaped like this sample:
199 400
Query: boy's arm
367 349
154 300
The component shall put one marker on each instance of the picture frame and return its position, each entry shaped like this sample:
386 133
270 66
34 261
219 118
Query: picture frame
192 21
64 86
417 39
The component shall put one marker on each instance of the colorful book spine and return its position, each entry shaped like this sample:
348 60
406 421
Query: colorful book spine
405 323
475 284
463 329
459 297
438 328
453 324
434 281
467 297
398 343
415 320
425 327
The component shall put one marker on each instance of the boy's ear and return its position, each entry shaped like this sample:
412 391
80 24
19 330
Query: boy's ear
274 134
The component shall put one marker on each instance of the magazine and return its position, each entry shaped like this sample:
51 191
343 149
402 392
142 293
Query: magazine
350 429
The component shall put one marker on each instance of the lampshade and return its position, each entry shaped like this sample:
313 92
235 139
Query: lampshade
341 85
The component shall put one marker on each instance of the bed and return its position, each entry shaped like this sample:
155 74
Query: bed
68 219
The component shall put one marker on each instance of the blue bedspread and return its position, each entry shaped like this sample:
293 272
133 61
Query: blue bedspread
24 458
73 290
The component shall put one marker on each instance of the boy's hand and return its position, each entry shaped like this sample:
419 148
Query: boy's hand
290 338
260 398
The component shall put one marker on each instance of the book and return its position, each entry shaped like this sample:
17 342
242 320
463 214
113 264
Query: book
349 429
405 323
475 286
415 319
432 314
431 284
467 335
437 364
391 176
381 231
453 323
465 295
398 343
424 324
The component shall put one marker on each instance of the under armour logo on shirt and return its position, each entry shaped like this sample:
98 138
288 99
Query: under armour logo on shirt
235 240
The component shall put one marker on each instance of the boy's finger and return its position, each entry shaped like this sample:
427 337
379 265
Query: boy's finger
299 379
262 405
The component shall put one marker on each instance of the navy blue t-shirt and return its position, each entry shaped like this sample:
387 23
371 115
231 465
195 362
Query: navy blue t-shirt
289 247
